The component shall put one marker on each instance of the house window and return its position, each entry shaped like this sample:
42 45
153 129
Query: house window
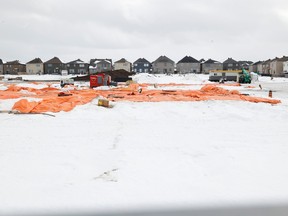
49 65
135 65
37 65
230 65
146 65
68 65
82 65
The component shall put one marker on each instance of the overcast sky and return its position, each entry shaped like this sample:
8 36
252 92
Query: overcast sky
71 29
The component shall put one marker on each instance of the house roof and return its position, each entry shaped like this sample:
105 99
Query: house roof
258 62
230 61
1 62
284 58
102 61
16 62
78 61
164 59
267 61
95 62
211 61
35 61
123 60
245 62
141 60
188 59
54 60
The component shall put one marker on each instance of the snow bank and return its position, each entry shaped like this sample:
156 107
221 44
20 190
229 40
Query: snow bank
165 79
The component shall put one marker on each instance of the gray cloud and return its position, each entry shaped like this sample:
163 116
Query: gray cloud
143 28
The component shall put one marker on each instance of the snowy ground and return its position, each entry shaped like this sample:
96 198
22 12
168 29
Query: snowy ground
147 155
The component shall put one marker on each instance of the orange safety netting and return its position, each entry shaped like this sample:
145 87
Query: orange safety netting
51 102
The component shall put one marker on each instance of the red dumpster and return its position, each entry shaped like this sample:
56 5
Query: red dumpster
100 79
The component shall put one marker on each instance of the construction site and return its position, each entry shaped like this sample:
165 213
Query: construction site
151 141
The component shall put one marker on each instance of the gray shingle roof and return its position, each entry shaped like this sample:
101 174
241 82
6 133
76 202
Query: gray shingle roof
188 59
230 61
123 60
54 60
78 61
164 59
16 62
211 61
35 61
141 60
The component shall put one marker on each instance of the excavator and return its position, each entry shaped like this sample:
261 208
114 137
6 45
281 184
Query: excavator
244 77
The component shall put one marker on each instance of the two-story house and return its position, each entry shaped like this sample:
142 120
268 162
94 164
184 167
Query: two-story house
231 64
14 67
260 67
77 67
266 70
211 65
276 66
163 65
1 67
245 64
142 65
254 67
123 64
35 66
100 65
188 65
54 66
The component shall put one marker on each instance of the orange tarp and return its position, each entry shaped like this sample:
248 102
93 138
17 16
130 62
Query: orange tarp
55 103
207 92
51 102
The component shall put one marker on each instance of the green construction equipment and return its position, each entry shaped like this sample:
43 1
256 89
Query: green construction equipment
244 77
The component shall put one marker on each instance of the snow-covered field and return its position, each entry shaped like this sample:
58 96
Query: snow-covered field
147 155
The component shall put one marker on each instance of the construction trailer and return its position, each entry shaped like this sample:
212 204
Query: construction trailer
240 76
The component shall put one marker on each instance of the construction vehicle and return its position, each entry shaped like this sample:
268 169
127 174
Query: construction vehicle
244 77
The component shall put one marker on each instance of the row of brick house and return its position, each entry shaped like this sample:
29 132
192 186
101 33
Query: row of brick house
271 67
163 64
